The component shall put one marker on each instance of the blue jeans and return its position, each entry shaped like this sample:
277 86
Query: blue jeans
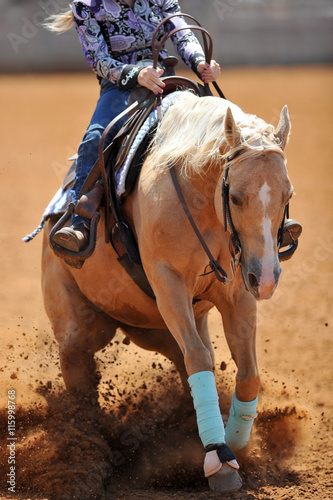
111 102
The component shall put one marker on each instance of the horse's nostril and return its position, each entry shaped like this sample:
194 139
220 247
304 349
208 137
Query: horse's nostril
253 280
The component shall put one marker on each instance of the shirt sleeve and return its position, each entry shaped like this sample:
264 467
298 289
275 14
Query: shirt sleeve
185 43
94 45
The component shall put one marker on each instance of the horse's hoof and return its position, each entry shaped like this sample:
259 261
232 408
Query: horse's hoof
226 480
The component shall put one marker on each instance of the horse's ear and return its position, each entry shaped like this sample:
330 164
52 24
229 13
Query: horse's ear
283 129
231 131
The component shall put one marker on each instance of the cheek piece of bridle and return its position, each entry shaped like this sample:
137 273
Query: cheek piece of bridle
235 247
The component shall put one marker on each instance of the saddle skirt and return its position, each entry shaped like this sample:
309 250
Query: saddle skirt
63 197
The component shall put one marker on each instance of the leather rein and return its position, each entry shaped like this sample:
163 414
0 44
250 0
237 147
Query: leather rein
214 265
235 246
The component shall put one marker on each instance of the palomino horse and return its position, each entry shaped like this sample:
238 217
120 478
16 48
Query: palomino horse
198 138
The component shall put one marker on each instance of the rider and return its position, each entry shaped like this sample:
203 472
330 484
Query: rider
115 35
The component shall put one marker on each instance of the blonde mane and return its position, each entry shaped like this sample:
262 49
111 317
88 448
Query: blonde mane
192 133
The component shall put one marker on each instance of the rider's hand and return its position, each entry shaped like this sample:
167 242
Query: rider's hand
149 77
209 72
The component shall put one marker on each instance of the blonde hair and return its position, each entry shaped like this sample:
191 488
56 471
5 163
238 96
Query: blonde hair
192 133
60 22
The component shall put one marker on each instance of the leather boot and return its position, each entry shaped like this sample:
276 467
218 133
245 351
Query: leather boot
74 238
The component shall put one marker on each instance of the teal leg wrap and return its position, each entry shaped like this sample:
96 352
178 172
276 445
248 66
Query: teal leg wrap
206 404
240 422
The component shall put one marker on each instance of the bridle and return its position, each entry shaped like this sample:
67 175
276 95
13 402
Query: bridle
235 246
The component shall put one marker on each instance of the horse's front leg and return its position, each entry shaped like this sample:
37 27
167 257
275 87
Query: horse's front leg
239 321
175 304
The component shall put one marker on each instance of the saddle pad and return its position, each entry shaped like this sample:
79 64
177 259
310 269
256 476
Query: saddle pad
57 206
59 203
148 124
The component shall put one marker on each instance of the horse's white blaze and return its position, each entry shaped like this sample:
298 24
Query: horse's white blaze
264 196
267 278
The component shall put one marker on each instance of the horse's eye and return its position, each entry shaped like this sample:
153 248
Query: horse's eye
236 201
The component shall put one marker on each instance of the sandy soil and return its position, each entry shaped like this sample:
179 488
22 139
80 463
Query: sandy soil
144 443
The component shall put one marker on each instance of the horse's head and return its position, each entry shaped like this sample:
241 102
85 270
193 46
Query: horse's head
258 191
258 183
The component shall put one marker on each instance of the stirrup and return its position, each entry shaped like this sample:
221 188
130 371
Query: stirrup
290 234
74 259
292 230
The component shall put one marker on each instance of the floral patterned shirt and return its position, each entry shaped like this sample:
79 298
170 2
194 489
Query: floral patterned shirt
114 36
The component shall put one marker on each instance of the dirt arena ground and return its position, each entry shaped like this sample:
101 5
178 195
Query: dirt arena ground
144 443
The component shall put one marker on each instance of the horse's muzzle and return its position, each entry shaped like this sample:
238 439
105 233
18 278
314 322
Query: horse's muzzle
260 278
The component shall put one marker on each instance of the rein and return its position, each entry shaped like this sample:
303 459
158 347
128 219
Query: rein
207 41
215 266
235 245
